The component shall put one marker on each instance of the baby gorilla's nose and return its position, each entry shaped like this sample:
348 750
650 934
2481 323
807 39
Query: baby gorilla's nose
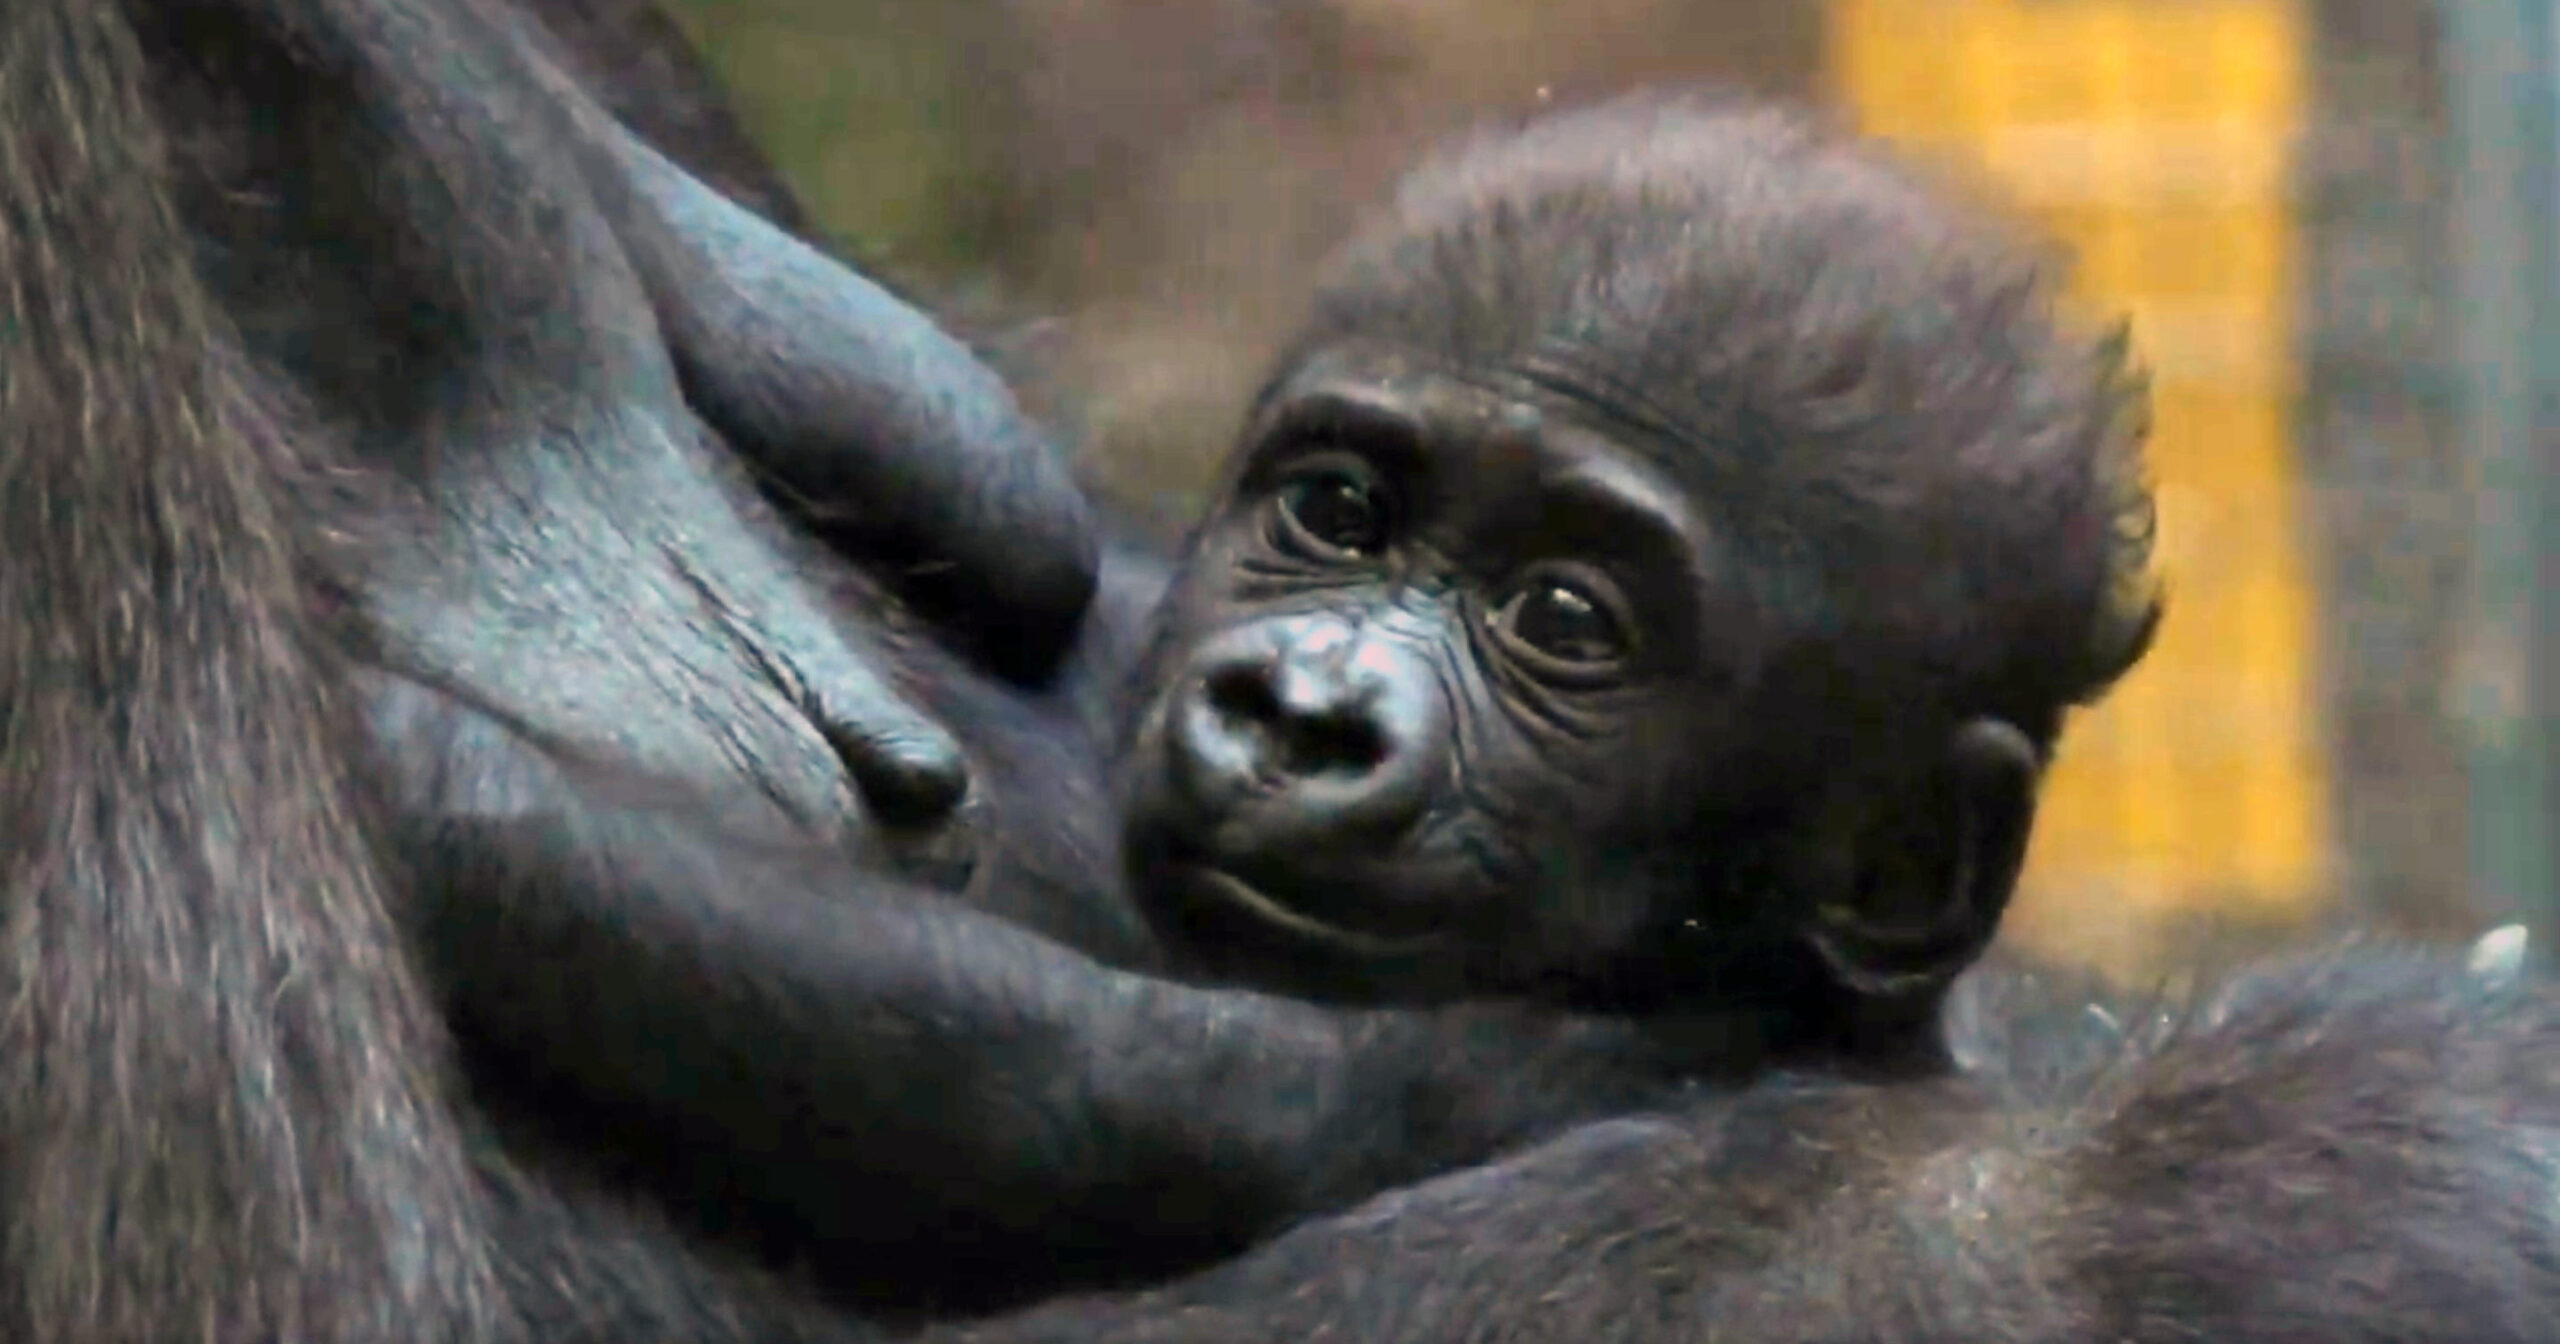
1298 722
1308 731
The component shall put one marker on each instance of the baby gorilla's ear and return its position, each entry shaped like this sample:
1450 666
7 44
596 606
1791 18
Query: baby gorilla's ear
1930 873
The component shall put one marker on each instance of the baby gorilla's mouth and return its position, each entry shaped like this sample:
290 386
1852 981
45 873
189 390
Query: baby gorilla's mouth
1239 895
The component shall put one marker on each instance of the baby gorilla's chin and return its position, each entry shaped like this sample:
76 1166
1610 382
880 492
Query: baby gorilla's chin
1241 924
1289 910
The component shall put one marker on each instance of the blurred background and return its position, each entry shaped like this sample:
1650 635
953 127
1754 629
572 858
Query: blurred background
2333 222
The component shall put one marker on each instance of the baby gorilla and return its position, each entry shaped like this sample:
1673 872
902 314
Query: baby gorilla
1653 582
1654 576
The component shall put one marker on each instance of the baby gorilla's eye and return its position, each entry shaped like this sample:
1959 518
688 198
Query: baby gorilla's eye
1566 618
1336 505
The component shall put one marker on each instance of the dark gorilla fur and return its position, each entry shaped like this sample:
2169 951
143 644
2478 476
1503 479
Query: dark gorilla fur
230 1108
2357 1146
221 1117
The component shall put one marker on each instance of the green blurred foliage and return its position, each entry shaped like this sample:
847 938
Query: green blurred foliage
878 114
1140 190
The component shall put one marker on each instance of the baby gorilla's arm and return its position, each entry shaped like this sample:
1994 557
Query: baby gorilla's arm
910 1090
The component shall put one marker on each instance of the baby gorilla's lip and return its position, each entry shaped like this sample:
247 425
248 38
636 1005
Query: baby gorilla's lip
1241 895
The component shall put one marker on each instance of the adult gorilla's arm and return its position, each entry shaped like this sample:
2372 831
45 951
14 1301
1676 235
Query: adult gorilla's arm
2337 1148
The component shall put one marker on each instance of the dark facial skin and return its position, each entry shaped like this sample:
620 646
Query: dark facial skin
1419 666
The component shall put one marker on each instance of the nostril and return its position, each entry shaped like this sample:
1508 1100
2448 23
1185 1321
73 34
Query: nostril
1346 743
1244 695
1296 739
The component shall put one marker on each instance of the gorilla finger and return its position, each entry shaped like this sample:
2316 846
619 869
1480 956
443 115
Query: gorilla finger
851 398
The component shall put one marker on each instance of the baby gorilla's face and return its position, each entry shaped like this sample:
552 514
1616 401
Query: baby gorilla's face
1677 538
1434 703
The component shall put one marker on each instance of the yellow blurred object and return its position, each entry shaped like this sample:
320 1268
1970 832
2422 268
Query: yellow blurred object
2155 137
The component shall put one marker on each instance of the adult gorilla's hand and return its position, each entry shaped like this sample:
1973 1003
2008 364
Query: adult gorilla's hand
865 411
500 312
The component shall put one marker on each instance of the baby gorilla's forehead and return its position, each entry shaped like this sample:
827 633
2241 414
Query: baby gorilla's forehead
1483 449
